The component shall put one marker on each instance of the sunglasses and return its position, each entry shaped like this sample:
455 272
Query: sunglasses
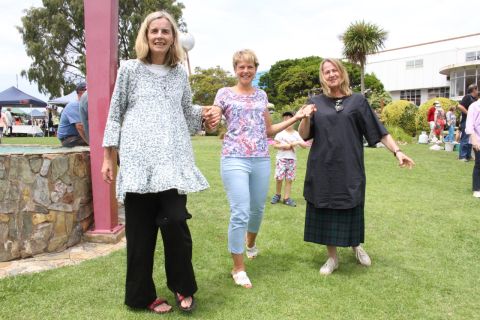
338 105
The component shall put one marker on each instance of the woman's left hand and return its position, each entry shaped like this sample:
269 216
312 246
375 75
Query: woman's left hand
404 161
305 111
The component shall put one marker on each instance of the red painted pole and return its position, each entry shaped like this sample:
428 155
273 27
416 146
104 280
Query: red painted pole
101 36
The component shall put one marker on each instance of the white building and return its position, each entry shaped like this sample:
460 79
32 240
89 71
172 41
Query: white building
417 73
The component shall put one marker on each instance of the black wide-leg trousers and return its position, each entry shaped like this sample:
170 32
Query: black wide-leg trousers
144 215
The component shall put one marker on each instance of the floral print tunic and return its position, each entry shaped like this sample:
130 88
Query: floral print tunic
150 121
246 134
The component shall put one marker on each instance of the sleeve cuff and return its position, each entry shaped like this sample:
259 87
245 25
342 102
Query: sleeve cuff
111 137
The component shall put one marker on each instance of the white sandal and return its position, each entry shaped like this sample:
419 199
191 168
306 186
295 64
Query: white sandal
242 279
252 252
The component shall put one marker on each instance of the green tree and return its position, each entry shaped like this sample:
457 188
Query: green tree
206 82
54 38
290 79
379 99
359 40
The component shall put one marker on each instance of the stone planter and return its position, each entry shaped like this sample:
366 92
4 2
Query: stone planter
45 199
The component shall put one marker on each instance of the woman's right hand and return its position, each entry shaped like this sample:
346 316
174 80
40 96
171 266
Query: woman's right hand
109 155
107 170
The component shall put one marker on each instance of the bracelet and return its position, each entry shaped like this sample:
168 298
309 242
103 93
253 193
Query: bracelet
396 151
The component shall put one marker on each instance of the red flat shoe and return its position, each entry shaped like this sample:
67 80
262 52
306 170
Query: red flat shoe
159 302
179 298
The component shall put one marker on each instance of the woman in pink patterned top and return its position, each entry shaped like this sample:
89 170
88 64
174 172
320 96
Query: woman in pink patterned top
245 164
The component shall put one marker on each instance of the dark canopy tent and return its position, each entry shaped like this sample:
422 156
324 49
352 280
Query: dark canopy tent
14 97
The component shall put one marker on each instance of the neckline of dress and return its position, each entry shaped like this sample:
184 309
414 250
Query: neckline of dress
170 69
243 94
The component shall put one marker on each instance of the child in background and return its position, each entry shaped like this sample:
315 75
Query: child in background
451 122
439 121
285 168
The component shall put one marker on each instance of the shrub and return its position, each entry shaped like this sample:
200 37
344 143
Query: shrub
421 117
379 99
399 135
401 114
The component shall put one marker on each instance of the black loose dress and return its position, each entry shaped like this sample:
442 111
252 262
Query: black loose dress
335 179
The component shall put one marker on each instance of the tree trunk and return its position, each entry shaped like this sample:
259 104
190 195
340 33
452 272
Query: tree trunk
362 78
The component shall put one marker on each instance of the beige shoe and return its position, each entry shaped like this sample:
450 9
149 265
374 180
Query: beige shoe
362 256
252 252
241 279
329 266
476 194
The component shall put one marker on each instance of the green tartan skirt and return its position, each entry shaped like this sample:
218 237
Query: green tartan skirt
335 227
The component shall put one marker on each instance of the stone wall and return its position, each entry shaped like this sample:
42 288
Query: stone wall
45 202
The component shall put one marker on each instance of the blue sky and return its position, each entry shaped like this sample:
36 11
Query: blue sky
275 29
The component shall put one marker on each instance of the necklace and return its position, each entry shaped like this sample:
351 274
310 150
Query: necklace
339 105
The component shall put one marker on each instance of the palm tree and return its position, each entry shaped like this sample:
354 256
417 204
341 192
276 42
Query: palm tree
360 40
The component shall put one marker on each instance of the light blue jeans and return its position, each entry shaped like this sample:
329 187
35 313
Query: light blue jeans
246 182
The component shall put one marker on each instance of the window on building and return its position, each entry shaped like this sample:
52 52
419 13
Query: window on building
460 86
443 92
472 56
413 96
470 77
414 64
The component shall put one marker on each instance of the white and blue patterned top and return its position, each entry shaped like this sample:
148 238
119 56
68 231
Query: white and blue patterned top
150 121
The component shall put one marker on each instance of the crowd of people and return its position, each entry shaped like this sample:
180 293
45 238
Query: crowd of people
467 136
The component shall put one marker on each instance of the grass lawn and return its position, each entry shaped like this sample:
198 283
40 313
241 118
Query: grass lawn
32 140
422 233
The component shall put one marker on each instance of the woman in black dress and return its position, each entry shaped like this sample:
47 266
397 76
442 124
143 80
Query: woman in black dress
335 179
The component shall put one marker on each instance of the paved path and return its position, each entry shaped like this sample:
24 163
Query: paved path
71 256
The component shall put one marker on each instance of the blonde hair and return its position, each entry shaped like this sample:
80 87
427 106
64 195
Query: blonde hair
174 55
344 82
245 55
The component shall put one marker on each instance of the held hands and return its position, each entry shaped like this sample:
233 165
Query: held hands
305 112
212 116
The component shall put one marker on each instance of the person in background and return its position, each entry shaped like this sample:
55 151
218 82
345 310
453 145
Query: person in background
472 128
286 163
70 129
431 120
83 109
3 123
8 114
439 120
245 162
150 121
452 123
338 120
465 152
